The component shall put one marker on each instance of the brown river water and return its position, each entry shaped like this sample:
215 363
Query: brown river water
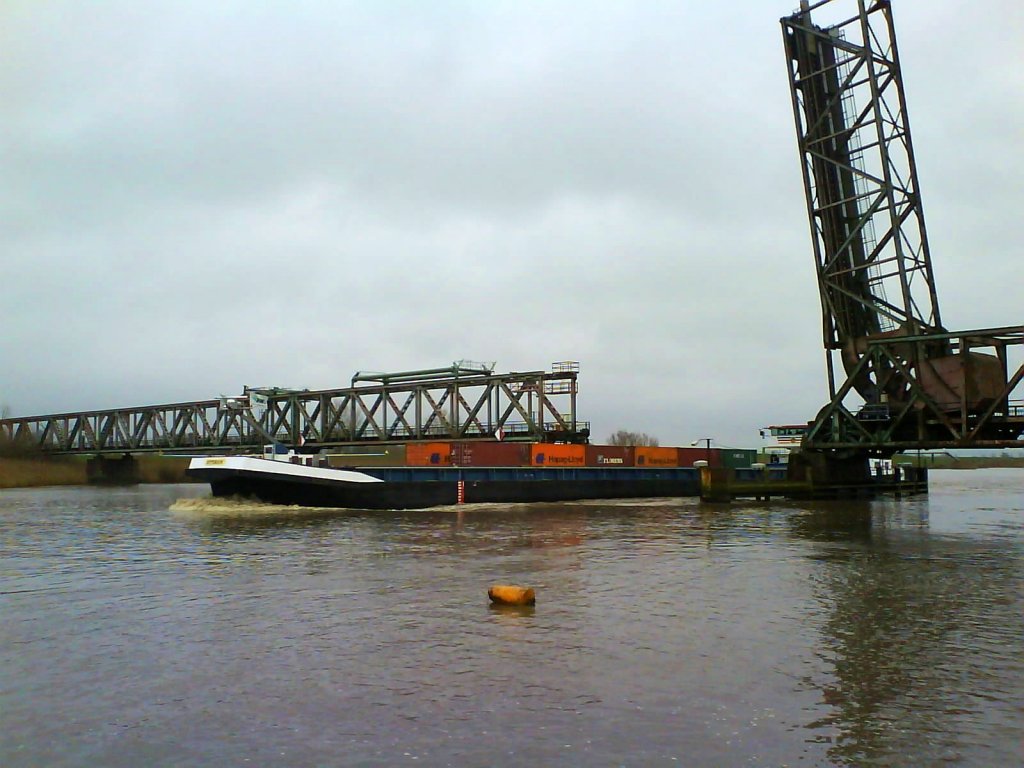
151 626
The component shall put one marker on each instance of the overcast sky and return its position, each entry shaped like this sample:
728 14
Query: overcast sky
196 196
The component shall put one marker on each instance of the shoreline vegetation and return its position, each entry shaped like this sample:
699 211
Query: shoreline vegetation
35 471
949 461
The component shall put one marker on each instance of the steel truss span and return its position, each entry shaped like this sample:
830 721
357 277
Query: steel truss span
457 403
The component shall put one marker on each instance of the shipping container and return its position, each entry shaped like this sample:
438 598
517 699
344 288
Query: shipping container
428 454
652 456
737 458
367 456
491 454
558 455
609 455
687 456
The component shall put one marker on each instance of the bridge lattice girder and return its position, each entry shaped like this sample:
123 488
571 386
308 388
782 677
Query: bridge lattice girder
510 405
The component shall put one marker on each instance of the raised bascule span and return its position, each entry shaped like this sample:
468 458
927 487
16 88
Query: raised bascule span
898 378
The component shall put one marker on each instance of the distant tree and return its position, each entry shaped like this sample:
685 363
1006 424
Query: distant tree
7 447
14 446
625 437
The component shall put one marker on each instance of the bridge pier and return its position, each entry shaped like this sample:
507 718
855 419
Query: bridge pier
716 484
812 475
105 470
827 469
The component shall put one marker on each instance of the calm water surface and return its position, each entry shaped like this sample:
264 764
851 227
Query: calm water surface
149 626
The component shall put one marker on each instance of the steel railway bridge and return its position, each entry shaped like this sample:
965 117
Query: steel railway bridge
465 401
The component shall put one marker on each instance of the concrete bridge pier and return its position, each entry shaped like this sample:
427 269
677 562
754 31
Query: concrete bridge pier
106 470
715 484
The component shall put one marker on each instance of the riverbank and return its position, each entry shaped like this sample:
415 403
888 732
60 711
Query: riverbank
949 461
37 471
31 473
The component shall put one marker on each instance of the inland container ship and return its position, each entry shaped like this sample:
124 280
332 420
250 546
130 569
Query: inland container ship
421 475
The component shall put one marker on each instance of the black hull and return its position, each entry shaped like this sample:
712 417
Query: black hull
539 485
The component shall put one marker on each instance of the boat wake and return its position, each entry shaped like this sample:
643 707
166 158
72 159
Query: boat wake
237 507
228 507
241 508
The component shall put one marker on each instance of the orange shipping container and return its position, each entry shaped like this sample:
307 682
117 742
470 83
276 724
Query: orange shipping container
649 456
557 455
428 454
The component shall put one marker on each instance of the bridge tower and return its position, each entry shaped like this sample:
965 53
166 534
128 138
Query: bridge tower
898 379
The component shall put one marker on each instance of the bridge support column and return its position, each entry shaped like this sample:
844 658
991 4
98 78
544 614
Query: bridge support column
824 469
105 470
715 484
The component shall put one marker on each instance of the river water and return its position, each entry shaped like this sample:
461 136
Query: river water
153 626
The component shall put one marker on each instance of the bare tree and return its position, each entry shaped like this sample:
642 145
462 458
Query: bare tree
11 446
625 437
6 446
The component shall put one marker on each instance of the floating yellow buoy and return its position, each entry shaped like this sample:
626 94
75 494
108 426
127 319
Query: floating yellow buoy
510 594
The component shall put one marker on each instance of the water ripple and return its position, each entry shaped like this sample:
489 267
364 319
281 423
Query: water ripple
158 626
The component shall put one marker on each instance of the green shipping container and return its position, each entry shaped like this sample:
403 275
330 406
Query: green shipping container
367 456
737 458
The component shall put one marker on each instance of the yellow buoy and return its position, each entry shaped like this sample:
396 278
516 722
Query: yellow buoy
510 594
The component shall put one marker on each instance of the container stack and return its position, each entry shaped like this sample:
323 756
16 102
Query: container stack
482 453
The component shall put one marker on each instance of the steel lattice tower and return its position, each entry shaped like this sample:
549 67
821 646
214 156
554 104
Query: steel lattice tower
919 385
860 179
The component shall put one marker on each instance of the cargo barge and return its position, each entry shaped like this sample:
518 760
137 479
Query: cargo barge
420 487
555 472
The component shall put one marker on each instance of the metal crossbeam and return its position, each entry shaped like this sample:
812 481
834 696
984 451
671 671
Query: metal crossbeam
457 403
944 418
